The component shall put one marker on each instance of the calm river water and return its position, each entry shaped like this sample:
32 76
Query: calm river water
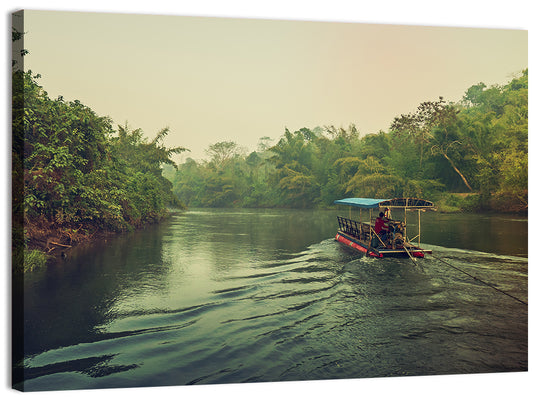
229 296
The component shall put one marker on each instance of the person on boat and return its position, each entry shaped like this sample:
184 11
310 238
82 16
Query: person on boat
381 227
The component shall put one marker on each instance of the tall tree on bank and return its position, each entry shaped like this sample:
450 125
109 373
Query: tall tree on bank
494 123
221 153
294 157
430 126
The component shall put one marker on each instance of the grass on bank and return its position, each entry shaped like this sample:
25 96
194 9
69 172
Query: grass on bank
28 260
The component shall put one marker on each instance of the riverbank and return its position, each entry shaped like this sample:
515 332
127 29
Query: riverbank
475 202
47 241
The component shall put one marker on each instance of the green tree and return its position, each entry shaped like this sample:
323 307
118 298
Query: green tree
222 153
293 158
494 122
429 126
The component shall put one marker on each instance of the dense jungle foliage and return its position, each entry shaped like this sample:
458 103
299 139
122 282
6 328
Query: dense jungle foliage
74 176
476 149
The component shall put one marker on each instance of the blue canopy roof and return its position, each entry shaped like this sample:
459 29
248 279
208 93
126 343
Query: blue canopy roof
370 203
361 202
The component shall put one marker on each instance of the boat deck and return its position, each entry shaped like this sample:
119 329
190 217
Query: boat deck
364 246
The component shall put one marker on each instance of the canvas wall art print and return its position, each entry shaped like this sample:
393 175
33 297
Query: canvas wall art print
202 200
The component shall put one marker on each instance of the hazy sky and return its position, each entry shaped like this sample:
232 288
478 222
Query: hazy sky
217 79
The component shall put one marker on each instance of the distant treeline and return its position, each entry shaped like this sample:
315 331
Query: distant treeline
476 149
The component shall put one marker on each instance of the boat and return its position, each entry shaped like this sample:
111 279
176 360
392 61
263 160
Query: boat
361 236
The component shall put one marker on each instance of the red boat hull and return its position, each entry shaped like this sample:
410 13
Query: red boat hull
353 243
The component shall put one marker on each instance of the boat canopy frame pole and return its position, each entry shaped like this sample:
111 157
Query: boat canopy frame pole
405 208
419 233
405 217
419 236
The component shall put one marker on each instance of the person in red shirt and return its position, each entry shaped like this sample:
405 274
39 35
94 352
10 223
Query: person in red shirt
381 227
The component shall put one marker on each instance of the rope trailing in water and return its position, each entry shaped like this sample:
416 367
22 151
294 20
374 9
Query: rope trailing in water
481 281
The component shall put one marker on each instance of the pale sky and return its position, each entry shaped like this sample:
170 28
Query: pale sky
216 79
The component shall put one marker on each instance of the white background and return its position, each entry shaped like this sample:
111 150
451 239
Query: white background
513 14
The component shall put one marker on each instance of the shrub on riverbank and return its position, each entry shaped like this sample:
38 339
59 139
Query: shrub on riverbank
74 177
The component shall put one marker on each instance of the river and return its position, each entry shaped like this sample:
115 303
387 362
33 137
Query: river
230 296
